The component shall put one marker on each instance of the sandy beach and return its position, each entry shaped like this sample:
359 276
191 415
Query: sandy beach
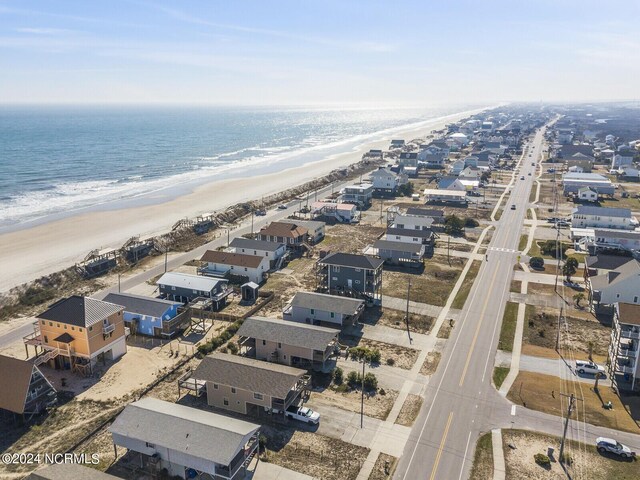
31 252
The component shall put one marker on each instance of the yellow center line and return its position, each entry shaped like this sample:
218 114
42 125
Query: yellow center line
475 337
444 439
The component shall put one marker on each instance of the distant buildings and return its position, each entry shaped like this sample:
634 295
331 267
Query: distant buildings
600 217
572 182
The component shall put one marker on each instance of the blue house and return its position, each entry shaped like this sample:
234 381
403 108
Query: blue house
146 315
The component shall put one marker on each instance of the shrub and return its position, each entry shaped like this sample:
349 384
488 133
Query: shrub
453 225
382 391
471 222
391 362
536 262
542 460
374 356
233 347
566 458
353 379
370 382
223 350
338 376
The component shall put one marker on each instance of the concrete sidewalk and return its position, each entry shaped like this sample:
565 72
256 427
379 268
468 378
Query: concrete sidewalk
258 470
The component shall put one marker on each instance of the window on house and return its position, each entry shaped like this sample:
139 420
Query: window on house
333 315
233 389
43 322
51 324
279 345
264 342
73 328
357 282
358 269
257 396
46 339
150 445
245 269
173 288
215 386
90 329
635 299
336 269
226 402
65 327
79 329
313 311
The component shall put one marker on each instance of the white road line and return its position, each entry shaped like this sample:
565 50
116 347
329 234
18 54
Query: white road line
513 409
464 457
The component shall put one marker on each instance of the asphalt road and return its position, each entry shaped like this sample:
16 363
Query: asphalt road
129 281
460 401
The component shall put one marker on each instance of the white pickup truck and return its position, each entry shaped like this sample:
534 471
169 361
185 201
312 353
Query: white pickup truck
303 414
585 366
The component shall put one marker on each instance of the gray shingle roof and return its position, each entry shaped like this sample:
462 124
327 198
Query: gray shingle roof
234 259
15 376
153 307
327 303
80 311
408 232
425 212
248 374
188 430
624 273
398 246
248 243
289 333
351 260
606 262
603 211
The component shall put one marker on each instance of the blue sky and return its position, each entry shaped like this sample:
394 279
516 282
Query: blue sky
329 52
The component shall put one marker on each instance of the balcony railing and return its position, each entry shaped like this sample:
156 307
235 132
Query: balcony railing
629 334
627 352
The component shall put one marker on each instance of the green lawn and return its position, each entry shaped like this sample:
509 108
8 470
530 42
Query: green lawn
523 242
499 374
508 330
467 283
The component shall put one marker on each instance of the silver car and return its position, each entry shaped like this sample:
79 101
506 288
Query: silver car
610 445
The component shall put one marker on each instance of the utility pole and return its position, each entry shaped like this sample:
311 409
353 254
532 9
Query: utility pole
118 283
228 236
407 313
448 248
572 399
362 395
252 223
166 252
381 205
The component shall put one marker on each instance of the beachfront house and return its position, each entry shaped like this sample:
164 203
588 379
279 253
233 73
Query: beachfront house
185 288
25 390
322 309
77 333
252 268
624 362
291 234
149 316
273 251
341 212
360 194
288 343
183 441
585 216
432 160
248 386
386 182
350 274
400 253
396 143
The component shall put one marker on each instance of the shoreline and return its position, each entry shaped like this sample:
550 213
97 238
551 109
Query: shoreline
40 249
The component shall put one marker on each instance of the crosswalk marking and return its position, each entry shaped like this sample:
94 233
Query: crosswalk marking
509 250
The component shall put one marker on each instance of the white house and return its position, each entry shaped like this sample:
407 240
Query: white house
572 182
342 212
434 195
405 235
320 308
587 195
260 248
470 173
459 138
457 167
619 285
622 159
385 181
602 217
360 194
412 222
221 264
630 174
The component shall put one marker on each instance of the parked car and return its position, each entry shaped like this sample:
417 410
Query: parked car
587 366
522 177
303 414
513 207
604 444
562 223
282 207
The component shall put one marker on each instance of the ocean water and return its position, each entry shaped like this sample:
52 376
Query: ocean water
56 160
